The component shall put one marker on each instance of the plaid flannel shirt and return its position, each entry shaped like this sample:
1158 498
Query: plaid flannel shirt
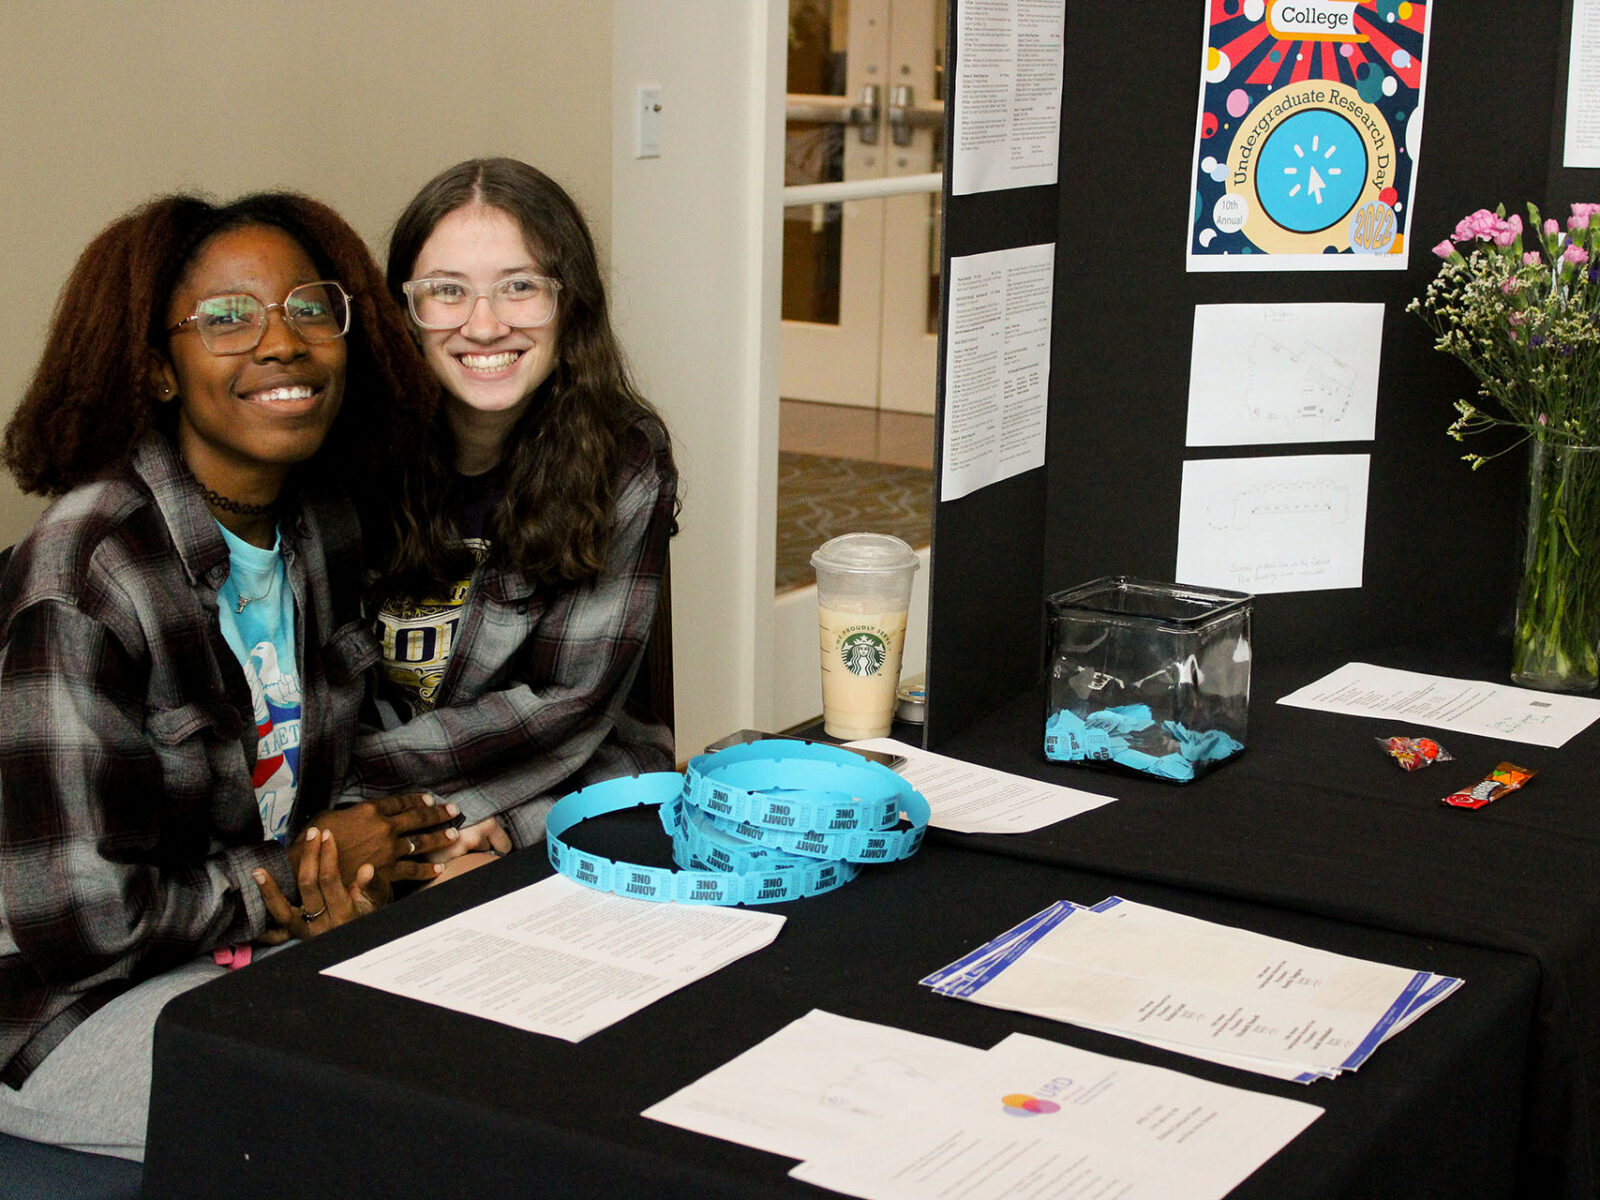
128 819
532 703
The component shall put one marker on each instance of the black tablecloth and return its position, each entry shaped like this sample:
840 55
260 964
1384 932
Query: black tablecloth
279 1081
1313 817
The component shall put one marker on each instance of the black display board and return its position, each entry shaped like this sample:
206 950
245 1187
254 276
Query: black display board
1441 540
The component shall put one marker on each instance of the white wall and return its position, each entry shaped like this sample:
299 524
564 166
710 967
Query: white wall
104 103
696 253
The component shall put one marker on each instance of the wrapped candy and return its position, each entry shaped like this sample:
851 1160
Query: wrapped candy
1414 753
1507 777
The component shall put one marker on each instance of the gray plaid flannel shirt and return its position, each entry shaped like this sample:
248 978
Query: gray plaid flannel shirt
533 701
128 819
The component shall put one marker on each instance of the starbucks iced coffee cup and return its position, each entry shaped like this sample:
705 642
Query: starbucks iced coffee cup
863 592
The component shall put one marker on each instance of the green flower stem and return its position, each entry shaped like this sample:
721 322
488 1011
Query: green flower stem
1557 637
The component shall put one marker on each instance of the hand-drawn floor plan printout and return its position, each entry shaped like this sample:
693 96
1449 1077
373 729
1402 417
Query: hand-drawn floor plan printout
1307 136
1291 524
1262 374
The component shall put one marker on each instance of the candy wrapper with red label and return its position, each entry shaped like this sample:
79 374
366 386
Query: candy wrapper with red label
1414 753
1507 777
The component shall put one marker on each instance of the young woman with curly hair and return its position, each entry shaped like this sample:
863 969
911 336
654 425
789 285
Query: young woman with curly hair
529 539
182 653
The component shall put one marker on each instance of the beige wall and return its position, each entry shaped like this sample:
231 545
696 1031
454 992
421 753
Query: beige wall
696 241
104 103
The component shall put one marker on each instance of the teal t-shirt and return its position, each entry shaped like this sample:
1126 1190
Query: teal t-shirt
257 611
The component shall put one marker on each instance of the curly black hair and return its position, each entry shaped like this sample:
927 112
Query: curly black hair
92 395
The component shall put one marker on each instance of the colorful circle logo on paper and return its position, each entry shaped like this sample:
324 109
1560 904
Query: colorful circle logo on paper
1311 171
863 653
1311 157
1020 1104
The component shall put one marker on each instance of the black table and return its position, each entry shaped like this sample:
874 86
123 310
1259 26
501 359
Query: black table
279 1081
1314 818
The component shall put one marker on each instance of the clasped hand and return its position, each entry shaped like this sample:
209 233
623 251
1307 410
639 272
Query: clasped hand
349 857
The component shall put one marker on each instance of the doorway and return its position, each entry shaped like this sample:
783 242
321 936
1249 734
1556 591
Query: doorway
863 163
861 276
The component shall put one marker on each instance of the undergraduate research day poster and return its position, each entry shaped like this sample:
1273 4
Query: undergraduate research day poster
1309 126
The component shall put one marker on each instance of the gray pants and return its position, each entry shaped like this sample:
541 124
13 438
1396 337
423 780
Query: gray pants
93 1091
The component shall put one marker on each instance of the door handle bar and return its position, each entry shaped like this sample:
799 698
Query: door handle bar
905 115
839 110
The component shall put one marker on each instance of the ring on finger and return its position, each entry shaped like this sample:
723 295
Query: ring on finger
411 846
309 917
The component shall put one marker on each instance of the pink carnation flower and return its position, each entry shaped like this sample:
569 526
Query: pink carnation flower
1576 254
1551 226
1480 224
1444 249
1531 258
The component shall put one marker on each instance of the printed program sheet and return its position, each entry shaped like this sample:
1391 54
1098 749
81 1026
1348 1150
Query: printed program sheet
1009 71
968 798
560 959
1462 705
997 367
1037 1118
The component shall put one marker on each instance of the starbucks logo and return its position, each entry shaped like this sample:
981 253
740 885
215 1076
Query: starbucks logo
863 653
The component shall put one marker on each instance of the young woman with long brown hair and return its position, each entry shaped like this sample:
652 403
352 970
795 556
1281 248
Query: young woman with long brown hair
529 539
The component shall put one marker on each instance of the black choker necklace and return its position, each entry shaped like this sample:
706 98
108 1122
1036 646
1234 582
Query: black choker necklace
234 506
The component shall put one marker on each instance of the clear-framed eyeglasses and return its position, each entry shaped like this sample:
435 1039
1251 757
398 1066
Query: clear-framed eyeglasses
446 302
235 323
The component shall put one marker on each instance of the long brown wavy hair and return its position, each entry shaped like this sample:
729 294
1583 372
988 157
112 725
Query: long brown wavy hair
561 459
92 395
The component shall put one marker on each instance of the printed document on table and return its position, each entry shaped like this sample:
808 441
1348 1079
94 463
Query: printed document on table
1460 705
560 959
1432 992
1007 123
967 798
1037 1118
1274 373
1179 982
814 1083
971 973
997 367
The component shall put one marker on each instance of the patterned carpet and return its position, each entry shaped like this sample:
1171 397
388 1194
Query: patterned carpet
820 498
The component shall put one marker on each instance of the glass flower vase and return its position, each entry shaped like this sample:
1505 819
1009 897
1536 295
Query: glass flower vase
1556 643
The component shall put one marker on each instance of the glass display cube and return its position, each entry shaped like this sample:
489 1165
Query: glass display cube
1150 677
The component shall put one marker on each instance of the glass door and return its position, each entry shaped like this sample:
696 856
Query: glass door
861 275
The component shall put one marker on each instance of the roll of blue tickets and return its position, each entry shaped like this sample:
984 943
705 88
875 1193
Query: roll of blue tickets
865 846
743 825
823 788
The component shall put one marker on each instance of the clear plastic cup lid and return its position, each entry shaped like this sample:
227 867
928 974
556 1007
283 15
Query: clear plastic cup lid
864 552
